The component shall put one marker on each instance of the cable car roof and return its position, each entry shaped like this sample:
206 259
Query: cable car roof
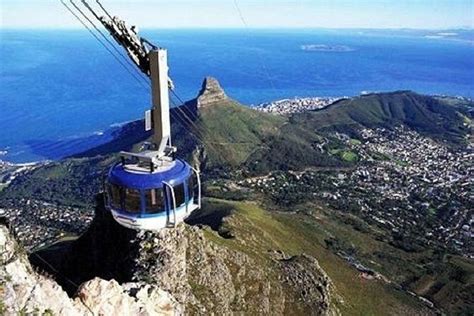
178 173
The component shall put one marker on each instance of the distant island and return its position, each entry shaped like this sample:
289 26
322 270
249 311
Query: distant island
326 48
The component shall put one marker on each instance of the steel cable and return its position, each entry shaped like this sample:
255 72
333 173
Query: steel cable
102 43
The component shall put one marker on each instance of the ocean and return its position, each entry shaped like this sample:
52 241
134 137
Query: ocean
61 92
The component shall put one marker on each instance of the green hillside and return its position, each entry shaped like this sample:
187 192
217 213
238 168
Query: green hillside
425 114
256 231
259 143
232 132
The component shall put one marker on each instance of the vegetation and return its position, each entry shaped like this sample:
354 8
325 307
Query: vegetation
233 132
345 155
428 272
257 231
349 156
73 182
424 114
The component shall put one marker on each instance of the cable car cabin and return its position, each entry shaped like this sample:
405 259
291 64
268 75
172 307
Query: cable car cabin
144 200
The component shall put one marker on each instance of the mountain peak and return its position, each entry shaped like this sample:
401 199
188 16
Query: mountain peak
211 92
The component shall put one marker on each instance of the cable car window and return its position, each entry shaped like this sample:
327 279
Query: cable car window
191 187
179 194
115 194
132 201
154 201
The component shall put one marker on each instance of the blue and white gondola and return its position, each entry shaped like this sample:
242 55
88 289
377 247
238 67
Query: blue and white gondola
153 201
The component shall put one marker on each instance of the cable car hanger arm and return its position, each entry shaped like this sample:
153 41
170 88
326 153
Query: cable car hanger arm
137 47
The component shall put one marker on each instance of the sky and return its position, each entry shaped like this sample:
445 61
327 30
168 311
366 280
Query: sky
419 14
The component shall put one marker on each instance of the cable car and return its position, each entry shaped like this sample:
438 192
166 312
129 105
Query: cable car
150 189
152 201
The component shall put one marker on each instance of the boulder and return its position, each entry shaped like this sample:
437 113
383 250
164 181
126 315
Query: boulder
109 298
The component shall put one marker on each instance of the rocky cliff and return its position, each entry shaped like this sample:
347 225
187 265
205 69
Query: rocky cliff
195 265
210 278
27 292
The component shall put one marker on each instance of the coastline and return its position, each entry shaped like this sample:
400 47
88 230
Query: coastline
10 171
302 104
44 151
297 105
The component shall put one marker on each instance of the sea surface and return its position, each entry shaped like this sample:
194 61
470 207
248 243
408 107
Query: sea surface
61 92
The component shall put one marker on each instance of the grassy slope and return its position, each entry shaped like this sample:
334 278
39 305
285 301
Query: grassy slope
233 132
445 279
451 286
258 231
238 136
422 113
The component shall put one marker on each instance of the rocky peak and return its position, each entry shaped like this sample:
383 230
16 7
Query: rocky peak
211 92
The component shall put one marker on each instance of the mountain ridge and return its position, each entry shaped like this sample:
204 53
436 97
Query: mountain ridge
422 113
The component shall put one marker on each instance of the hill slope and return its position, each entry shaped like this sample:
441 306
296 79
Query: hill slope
235 137
424 114
240 138
231 132
252 262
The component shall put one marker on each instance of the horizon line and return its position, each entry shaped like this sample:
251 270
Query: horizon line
79 28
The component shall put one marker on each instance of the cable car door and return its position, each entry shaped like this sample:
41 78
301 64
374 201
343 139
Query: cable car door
169 205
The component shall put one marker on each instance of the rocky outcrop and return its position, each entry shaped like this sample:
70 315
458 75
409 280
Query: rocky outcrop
209 278
24 291
110 298
211 92
304 276
191 263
